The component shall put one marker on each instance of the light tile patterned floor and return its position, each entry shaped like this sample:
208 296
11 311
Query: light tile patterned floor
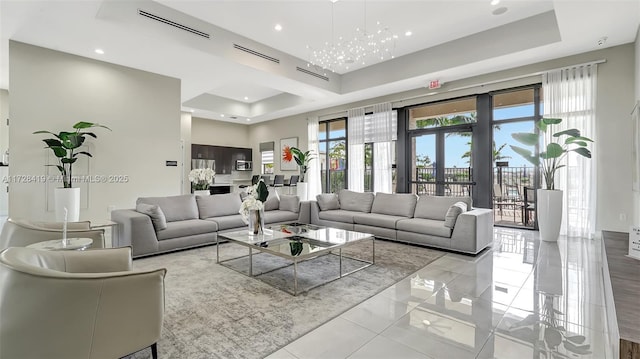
522 298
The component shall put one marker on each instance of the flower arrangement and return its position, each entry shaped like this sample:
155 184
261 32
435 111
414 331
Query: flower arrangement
201 178
301 158
254 203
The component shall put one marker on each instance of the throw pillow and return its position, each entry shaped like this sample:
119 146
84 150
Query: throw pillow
273 201
289 203
158 219
453 212
328 201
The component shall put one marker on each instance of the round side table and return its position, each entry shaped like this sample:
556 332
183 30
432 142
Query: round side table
72 244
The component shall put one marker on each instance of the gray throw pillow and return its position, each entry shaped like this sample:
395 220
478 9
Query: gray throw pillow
289 203
328 201
155 212
453 212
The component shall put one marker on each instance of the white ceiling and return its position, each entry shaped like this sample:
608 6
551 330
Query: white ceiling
451 39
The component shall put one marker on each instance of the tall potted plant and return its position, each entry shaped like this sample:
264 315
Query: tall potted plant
549 206
303 159
65 147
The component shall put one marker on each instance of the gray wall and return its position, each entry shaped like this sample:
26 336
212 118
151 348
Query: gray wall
51 90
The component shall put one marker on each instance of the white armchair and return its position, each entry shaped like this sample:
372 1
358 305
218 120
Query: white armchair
21 233
77 304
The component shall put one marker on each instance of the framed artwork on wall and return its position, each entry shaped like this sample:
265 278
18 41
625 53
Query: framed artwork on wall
287 162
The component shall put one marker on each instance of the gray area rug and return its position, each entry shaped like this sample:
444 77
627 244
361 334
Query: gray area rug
212 311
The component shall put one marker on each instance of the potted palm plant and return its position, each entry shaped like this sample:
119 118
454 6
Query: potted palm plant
551 160
65 146
302 158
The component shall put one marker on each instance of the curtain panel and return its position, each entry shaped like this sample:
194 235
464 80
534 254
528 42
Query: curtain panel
314 187
570 94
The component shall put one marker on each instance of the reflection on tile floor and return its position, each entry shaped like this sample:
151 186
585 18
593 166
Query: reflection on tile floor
522 298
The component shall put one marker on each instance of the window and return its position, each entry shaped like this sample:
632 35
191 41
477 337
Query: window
266 157
332 135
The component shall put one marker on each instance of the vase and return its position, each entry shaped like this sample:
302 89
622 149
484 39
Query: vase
68 198
256 221
301 190
549 214
201 192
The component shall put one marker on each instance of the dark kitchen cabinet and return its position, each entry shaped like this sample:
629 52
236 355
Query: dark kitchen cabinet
225 157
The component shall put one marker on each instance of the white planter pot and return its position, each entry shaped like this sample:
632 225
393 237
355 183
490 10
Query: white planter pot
201 192
301 190
68 198
548 277
549 209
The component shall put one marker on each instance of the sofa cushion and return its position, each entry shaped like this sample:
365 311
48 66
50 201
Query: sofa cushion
273 201
436 207
158 219
228 222
289 203
175 208
277 216
424 226
187 228
337 215
397 204
453 213
217 205
328 201
355 201
377 220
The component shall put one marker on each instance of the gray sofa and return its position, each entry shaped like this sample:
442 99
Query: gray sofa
435 221
163 224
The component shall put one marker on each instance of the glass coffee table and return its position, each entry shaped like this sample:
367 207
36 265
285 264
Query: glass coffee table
295 243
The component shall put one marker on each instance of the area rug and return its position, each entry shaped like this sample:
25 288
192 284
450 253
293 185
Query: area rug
212 311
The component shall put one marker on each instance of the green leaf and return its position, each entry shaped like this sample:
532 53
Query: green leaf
541 126
52 142
554 150
578 339
59 152
582 151
580 143
572 132
576 139
262 191
551 121
526 154
86 154
39 132
61 169
529 139
68 160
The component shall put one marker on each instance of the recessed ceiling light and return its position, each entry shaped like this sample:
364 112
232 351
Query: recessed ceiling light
278 27
99 51
246 98
495 2
192 110
222 115
408 33
334 1
248 119
499 11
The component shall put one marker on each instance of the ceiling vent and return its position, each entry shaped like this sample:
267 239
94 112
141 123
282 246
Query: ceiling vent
256 53
322 77
173 23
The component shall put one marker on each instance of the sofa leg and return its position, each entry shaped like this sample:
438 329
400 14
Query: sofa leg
154 350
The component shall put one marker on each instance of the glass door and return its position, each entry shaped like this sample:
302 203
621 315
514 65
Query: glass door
441 162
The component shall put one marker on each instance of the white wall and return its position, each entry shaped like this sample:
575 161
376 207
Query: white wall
636 196
51 90
219 133
613 129
185 136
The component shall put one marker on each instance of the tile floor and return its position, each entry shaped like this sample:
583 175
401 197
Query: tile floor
522 298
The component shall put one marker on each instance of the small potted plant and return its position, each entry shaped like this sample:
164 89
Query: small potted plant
252 207
65 147
201 179
549 206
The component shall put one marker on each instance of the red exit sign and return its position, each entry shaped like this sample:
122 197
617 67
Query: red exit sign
434 84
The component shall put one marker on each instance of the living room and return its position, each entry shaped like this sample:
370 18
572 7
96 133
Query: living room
149 115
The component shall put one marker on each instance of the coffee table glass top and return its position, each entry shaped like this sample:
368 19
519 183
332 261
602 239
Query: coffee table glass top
296 240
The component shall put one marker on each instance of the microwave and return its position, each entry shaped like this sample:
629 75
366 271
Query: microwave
242 165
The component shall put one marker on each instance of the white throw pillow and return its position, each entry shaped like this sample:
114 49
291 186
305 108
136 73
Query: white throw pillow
453 212
158 219
328 201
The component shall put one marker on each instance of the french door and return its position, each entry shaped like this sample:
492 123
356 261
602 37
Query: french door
442 161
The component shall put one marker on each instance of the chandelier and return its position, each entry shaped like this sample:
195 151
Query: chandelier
363 47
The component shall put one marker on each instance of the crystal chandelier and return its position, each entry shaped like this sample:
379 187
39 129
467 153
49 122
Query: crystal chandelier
359 49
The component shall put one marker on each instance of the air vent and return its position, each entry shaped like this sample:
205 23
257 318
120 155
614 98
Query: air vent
312 73
173 23
256 53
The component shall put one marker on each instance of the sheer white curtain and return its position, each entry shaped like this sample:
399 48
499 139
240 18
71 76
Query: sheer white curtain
570 94
313 173
382 135
356 149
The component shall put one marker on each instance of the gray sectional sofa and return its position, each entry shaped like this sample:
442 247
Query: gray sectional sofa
163 224
435 221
